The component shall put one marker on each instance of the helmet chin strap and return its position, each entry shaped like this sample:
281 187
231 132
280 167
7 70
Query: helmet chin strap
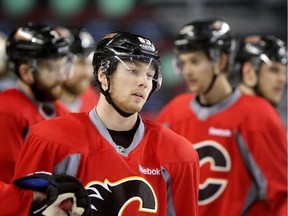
212 81
213 54
110 101
211 84
256 66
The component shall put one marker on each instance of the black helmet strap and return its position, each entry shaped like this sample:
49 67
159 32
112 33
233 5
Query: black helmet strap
110 101
213 55
211 83
256 65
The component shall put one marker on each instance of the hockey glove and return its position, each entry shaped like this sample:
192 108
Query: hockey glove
65 195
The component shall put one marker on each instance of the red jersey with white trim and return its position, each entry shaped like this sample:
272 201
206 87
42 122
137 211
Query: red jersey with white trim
158 174
14 201
242 150
17 114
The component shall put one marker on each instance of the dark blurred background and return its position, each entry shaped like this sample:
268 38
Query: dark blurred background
159 20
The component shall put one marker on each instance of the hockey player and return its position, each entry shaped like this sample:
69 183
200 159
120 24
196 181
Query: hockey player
130 166
78 93
38 56
261 63
261 67
239 138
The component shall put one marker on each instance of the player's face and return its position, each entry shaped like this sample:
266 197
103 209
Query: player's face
196 69
131 84
272 80
49 79
81 77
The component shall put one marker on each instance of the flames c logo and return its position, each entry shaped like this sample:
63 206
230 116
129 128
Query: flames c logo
220 161
112 198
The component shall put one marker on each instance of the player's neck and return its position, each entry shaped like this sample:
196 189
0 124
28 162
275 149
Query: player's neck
112 119
219 92
68 97
246 89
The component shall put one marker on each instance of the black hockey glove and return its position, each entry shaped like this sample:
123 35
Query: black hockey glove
65 195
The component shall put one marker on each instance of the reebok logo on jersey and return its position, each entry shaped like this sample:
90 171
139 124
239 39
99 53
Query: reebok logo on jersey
219 132
148 171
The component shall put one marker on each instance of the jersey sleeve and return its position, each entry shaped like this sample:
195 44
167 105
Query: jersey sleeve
266 159
11 136
14 201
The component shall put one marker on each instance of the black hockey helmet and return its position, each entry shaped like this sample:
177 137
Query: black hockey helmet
83 42
126 45
35 41
258 49
118 46
206 34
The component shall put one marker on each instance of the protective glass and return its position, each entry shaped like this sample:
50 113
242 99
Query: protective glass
135 67
56 68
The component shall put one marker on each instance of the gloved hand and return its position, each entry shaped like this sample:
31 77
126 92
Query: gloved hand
65 195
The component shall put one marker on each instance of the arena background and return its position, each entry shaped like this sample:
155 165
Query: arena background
159 20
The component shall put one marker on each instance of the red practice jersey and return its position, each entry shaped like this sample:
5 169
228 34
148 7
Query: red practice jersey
14 202
17 114
158 174
242 150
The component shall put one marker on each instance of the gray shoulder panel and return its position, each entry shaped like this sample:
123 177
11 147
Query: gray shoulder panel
258 190
68 166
